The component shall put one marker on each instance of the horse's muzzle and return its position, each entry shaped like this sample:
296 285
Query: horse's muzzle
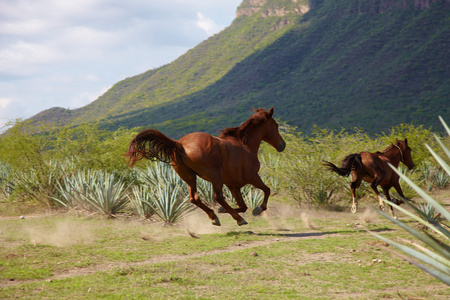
281 146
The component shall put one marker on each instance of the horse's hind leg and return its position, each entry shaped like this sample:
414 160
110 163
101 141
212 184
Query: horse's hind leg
190 178
195 199
374 185
353 186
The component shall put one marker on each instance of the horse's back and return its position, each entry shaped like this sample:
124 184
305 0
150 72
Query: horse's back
211 156
375 163
200 146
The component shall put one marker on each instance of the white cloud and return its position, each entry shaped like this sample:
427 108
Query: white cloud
65 52
207 24
86 97
4 102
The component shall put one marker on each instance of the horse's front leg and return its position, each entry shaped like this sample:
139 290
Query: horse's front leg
388 197
218 195
259 184
236 192
374 185
398 188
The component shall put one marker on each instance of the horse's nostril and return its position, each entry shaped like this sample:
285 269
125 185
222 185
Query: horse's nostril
281 146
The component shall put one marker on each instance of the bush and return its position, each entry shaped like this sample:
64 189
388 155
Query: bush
40 156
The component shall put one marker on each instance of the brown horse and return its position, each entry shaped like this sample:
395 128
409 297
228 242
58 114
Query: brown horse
374 168
230 159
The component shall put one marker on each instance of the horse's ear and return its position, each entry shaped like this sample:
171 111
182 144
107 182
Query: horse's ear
397 141
271 112
406 141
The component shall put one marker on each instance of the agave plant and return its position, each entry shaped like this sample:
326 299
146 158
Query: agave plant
435 259
140 196
439 178
205 192
93 190
169 203
252 196
160 173
429 211
39 184
6 185
108 194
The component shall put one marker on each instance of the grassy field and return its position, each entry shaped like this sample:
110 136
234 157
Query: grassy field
286 253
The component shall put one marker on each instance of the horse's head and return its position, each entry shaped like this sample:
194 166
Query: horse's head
405 152
273 136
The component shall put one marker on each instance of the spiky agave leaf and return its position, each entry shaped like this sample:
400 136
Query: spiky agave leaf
140 196
436 259
169 203
253 197
437 270
107 195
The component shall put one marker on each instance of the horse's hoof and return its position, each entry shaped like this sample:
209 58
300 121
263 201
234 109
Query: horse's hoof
354 208
221 210
397 201
216 222
257 211
243 222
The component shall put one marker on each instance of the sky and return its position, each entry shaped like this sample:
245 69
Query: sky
67 53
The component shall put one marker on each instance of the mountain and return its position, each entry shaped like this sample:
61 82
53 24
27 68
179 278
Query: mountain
371 64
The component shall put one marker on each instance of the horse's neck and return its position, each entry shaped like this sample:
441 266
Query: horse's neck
394 156
254 139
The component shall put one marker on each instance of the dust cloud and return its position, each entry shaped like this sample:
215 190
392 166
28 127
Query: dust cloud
369 216
283 217
199 223
62 234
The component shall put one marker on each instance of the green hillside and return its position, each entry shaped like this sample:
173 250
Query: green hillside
361 63
193 71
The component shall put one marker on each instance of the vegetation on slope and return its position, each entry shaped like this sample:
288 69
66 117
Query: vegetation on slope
344 64
371 71
193 71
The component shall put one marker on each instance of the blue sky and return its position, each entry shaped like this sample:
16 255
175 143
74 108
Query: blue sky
67 53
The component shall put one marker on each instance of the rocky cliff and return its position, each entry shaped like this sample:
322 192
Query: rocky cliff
270 8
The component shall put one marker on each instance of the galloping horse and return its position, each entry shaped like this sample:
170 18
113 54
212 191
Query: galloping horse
374 169
230 159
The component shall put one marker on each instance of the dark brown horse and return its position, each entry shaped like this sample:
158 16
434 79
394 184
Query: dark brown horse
230 159
374 169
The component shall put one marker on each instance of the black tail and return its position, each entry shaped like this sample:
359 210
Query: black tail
351 162
152 144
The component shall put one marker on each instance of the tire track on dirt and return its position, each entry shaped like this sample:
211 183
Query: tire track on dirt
84 271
